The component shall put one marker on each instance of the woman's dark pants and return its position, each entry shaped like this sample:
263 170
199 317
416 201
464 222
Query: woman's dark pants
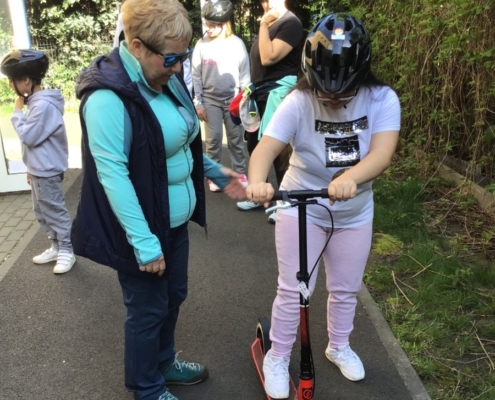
152 311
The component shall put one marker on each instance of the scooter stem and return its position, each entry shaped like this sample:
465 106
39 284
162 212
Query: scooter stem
306 376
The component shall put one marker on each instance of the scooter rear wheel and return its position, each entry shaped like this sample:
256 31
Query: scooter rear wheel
263 334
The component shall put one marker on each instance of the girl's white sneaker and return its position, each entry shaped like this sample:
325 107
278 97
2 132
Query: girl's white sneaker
349 363
276 373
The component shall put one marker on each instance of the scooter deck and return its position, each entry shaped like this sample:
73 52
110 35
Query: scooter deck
258 356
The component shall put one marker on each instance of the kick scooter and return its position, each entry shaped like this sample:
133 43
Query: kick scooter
262 343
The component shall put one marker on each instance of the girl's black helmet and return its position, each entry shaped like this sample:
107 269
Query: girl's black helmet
19 63
337 54
218 11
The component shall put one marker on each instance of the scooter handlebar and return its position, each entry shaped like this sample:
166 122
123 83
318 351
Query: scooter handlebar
300 194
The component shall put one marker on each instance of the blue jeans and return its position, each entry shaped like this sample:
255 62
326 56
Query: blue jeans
152 311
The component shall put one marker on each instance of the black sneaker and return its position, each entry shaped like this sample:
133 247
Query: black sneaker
184 373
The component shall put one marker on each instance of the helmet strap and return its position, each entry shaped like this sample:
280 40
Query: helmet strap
17 90
25 95
33 85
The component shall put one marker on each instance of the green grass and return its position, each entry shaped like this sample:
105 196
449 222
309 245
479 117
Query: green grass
431 273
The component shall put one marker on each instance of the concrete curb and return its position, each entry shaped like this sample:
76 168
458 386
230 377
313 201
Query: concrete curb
394 350
485 199
71 176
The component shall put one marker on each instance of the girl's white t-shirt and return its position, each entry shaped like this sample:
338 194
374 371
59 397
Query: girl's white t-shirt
326 141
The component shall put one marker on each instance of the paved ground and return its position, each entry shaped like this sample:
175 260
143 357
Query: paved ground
16 217
61 337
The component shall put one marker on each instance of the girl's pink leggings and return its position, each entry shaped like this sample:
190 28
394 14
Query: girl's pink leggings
344 258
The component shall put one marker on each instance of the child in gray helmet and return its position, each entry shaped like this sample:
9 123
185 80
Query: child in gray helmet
41 131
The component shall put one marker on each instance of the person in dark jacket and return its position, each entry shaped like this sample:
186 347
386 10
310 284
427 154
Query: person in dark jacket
143 181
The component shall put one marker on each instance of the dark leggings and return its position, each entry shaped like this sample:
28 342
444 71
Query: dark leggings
252 142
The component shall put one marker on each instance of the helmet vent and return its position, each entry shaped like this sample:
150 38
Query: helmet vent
329 25
307 49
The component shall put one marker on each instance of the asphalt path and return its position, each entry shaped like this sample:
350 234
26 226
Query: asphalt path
61 337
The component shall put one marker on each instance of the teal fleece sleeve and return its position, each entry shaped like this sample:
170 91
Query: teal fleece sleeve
212 171
110 136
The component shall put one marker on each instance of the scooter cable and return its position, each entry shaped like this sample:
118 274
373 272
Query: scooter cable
328 240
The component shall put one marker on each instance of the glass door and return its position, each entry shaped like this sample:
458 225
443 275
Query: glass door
12 169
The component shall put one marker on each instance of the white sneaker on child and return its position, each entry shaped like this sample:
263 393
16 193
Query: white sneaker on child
213 187
349 363
276 373
247 205
65 261
47 256
244 181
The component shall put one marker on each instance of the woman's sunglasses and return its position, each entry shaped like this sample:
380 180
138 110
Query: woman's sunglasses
168 59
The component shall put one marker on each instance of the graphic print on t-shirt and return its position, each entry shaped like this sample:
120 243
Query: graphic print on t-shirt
342 141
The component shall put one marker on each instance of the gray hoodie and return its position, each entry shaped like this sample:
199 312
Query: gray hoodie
220 68
42 133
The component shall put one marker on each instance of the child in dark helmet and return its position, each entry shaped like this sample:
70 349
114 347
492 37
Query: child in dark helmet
220 68
42 132
343 124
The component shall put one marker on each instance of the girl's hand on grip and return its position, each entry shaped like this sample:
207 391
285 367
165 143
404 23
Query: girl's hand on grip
260 193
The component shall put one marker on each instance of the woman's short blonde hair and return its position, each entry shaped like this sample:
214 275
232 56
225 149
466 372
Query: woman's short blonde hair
155 21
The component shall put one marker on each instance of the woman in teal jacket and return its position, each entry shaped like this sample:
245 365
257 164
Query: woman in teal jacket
143 182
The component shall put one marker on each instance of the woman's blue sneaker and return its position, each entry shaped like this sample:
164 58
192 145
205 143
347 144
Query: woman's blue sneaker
167 396
184 373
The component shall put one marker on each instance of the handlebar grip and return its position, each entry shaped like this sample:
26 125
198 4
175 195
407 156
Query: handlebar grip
300 194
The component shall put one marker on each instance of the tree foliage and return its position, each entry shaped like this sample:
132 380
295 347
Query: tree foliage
438 54
73 27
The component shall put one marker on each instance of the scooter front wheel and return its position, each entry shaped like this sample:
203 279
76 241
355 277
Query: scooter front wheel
263 334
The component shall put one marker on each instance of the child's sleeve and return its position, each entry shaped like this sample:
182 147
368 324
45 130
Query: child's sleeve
213 172
244 68
197 75
33 129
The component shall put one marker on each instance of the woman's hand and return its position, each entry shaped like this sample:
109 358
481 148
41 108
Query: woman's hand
234 189
201 113
154 267
260 193
342 188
